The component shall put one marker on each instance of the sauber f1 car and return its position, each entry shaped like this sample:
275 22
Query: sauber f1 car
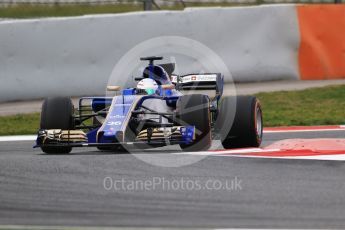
155 113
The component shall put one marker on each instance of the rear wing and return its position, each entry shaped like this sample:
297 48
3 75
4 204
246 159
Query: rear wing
206 81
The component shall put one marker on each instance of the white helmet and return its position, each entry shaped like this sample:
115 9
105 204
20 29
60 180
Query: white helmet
148 86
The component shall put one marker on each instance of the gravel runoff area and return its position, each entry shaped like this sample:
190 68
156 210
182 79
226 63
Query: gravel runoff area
24 107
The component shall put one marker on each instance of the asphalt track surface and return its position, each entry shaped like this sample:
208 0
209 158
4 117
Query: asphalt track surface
68 190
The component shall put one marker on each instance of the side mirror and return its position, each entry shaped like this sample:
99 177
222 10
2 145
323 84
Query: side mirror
168 86
113 88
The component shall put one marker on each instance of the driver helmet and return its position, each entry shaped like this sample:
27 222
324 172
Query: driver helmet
147 86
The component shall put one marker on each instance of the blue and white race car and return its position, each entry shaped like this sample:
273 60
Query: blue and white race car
157 112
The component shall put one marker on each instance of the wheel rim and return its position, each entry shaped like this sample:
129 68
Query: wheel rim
258 122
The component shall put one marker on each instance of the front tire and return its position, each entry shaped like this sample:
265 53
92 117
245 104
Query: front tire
57 113
247 128
194 110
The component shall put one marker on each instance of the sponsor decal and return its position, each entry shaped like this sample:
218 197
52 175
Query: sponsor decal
190 78
114 123
117 116
202 77
208 77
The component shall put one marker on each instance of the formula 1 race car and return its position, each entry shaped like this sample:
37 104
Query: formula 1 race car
155 113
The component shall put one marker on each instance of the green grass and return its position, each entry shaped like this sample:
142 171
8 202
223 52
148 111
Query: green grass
19 124
56 10
65 10
37 11
319 106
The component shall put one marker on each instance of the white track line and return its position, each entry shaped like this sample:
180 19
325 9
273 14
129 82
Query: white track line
245 150
335 157
18 138
42 227
237 153
304 130
227 151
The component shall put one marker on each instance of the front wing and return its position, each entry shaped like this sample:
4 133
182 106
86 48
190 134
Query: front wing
146 138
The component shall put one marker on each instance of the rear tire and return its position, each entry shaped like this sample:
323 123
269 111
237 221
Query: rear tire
194 110
246 130
57 113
